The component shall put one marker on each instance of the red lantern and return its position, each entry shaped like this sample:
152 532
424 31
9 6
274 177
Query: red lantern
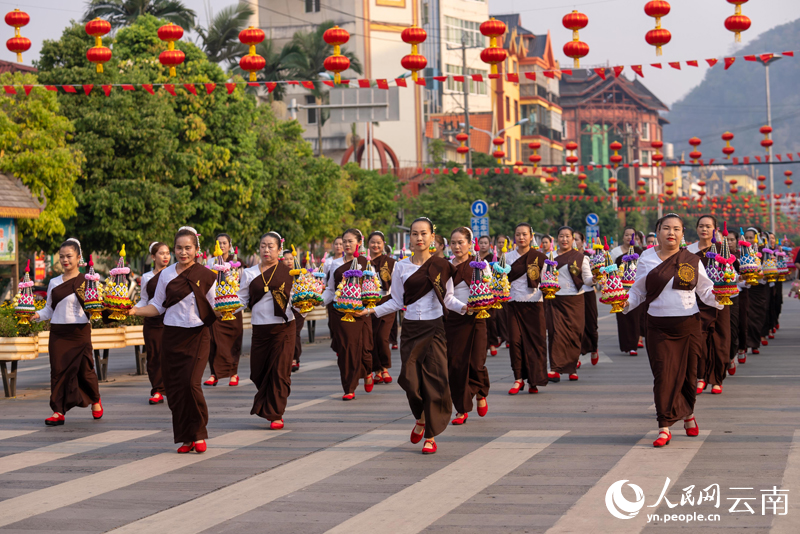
252 62
462 138
728 150
498 142
788 180
657 37
571 158
658 157
493 55
98 54
336 63
171 57
766 142
612 189
737 23
414 62
616 159
499 154
18 44
576 49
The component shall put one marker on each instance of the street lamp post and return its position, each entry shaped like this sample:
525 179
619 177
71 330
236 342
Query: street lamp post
501 132
766 62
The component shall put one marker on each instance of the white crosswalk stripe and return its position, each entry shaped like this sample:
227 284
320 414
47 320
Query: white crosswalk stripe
84 488
58 451
586 359
589 513
8 434
420 505
787 524
219 506
304 368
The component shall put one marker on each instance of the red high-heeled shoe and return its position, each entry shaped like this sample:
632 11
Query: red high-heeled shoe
387 379
212 381
756 351
157 398
97 414
377 379
662 441
368 383
234 381
517 386
634 353
573 377
578 366
493 351
394 347
276 425
771 336
200 447
533 389
701 385
742 357
595 358
716 390
640 345
416 438
483 410
183 449
57 419
693 432
731 370
460 420
764 342
426 449
554 377
348 396
295 366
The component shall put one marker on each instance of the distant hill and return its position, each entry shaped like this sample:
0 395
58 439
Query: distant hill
735 101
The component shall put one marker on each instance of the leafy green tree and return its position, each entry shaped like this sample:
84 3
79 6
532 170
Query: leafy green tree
280 65
125 12
375 199
446 201
34 148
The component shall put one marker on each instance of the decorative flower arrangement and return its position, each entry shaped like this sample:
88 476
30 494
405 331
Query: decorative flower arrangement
24 306
629 263
480 296
598 259
348 294
726 276
500 286
780 257
370 287
769 267
304 289
115 298
226 298
93 294
613 291
319 277
749 265
549 284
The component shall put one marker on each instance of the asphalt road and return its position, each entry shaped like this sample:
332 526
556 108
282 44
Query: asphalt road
549 462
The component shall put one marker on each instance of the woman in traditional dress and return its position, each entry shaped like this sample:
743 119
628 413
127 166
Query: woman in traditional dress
354 338
546 245
776 295
466 334
670 281
565 322
440 244
629 325
185 296
383 265
758 296
712 366
738 311
485 253
423 284
288 260
73 381
525 313
590 329
330 265
226 336
266 289
154 326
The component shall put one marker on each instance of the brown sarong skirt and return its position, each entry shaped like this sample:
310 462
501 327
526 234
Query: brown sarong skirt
496 327
757 311
744 314
381 349
628 329
564 332
590 334
673 346
73 381
466 359
334 318
734 322
299 321
715 366
184 358
423 373
527 339
226 347
271 368
355 350
153 332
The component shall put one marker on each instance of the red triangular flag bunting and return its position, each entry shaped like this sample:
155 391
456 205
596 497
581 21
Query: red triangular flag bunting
87 89
400 82
477 77
712 62
51 88
750 58
329 83
790 157
293 82
231 87
568 72
382 84
766 57
210 87
308 85
789 53
440 78
655 65
495 76
459 79
600 72
9 89
512 77
271 86
364 84
729 61
128 87
758 158
779 157
551 74
692 63
638 70
107 89
421 81
148 87
28 89
675 65
68 89
170 88
617 71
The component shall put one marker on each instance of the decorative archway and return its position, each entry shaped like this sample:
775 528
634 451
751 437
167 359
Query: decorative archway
383 149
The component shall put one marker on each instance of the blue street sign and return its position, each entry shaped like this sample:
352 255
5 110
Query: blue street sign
480 226
592 219
479 209
592 232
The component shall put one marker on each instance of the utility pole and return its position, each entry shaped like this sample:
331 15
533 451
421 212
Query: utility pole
465 86
771 170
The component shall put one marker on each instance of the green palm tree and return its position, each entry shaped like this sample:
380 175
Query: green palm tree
124 12
281 65
314 50
220 38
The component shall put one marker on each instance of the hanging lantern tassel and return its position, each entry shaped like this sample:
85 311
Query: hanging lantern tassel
575 49
766 142
414 61
535 158
252 62
98 54
498 151
493 55
463 149
18 44
728 150
337 63
737 23
695 154
171 57
572 158
658 157
658 36
788 180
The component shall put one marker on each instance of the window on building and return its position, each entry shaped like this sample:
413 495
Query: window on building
516 111
475 88
508 110
519 153
645 131
455 28
425 16
510 149
312 6
312 113
645 157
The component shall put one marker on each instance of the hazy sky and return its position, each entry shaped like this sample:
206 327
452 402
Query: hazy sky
615 32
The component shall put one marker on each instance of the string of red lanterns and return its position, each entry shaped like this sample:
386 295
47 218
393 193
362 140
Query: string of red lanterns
98 54
252 62
535 158
575 49
493 55
498 151
337 63
766 142
18 44
658 36
171 57
728 150
572 157
414 61
737 23
463 149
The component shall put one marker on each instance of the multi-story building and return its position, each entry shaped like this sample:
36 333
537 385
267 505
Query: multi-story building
598 112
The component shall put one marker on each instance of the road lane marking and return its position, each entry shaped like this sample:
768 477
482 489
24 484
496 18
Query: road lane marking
217 507
782 524
85 488
313 366
312 402
8 434
420 505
